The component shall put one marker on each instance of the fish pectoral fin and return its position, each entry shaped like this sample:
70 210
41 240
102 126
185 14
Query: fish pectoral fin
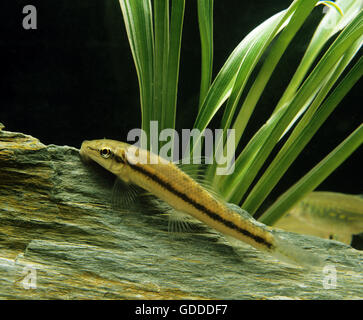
124 194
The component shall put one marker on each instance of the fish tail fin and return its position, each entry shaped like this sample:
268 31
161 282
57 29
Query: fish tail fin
292 254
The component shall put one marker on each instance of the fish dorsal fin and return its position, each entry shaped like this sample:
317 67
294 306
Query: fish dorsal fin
193 169
197 173
246 215
239 210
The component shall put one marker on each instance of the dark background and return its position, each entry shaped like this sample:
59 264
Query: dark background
74 79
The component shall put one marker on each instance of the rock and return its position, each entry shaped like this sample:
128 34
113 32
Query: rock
60 239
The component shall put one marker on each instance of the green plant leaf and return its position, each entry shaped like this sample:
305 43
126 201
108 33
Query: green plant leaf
332 23
205 20
237 185
161 56
331 4
314 177
155 48
171 89
222 85
302 11
304 131
139 27
155 44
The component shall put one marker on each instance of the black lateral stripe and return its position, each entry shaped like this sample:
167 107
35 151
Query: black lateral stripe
200 207
117 158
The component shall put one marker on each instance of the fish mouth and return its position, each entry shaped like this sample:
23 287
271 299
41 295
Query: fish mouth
83 152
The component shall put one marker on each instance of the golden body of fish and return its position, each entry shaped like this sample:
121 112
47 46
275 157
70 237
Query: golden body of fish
167 182
328 215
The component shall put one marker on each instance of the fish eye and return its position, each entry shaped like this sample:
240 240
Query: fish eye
105 152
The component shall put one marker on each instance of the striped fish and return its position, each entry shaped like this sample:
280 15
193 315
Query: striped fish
169 183
329 215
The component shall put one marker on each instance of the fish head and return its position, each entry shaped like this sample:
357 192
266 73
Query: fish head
110 154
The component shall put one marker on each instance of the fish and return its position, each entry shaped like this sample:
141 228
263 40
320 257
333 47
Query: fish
329 215
166 181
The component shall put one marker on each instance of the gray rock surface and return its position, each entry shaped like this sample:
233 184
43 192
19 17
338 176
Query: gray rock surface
60 239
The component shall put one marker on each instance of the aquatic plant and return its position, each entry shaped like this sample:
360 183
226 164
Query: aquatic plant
154 31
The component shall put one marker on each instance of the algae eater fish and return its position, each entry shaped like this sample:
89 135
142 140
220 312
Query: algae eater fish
330 215
166 181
